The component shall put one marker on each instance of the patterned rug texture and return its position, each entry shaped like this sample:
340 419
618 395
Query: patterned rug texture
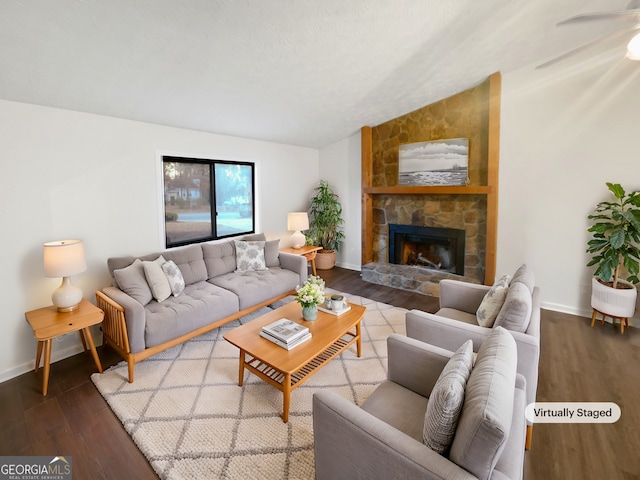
191 420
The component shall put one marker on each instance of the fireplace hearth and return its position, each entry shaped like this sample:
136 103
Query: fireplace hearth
428 247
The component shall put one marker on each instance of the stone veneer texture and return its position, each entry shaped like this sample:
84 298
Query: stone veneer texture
464 115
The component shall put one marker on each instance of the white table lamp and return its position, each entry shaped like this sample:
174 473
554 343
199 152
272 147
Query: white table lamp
297 221
63 259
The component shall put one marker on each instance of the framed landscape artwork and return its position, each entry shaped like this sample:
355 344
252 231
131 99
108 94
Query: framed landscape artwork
439 162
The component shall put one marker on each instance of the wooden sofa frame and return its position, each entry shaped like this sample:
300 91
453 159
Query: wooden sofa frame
114 329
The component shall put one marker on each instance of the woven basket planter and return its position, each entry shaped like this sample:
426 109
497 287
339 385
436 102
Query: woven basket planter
326 259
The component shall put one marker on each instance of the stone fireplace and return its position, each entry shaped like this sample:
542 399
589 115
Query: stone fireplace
430 247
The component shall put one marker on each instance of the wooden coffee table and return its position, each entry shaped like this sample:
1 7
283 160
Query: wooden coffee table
288 369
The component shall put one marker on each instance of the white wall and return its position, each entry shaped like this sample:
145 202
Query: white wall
73 175
565 132
340 165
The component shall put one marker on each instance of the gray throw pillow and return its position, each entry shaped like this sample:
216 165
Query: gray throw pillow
487 412
446 399
174 276
250 256
516 311
132 281
272 253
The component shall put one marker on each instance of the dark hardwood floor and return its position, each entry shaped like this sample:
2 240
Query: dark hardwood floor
577 363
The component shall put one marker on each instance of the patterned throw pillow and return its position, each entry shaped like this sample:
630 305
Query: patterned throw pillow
174 276
446 399
250 256
492 302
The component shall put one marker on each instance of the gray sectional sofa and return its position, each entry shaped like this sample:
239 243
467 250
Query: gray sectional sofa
140 322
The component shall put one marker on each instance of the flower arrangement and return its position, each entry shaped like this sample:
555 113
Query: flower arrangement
311 293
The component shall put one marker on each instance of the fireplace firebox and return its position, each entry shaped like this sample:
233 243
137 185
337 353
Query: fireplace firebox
429 247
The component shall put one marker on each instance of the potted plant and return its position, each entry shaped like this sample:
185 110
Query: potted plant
325 220
614 246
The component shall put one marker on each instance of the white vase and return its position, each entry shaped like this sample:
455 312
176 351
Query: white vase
615 302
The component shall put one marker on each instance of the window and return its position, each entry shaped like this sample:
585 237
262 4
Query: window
207 199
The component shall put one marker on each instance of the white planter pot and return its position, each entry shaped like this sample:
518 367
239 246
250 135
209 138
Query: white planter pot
615 302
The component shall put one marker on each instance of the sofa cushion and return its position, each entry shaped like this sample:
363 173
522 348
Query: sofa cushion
200 305
486 417
250 256
132 281
445 401
492 302
524 274
220 258
255 287
190 261
157 280
174 276
272 253
407 414
516 311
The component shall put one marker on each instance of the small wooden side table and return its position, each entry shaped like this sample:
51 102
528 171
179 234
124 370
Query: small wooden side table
47 323
307 251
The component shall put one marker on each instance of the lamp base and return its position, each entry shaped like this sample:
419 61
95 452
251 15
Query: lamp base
298 240
68 309
67 296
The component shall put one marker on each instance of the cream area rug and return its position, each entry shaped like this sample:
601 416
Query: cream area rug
191 420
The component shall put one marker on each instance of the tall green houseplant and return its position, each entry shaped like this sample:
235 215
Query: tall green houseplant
616 235
325 218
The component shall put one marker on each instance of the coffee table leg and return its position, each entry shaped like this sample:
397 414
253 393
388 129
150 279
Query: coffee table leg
286 397
359 341
241 368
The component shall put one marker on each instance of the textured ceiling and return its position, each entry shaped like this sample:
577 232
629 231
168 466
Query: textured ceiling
300 72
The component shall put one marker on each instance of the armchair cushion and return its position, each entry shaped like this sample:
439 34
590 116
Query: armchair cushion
493 302
445 401
516 311
486 417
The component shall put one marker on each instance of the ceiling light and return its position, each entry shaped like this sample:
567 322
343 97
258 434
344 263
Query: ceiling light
633 48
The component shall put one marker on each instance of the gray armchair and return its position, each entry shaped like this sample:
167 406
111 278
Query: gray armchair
383 439
456 322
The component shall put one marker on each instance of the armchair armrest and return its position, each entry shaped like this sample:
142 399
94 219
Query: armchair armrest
414 364
350 443
463 296
295 263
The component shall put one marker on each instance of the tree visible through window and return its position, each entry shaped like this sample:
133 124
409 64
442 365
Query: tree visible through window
207 199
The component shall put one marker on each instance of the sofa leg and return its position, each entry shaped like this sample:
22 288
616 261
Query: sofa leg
131 364
527 442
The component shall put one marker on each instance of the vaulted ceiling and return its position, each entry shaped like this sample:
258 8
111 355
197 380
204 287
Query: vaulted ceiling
300 72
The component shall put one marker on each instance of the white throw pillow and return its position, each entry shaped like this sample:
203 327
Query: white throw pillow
250 256
492 302
156 278
174 276
446 399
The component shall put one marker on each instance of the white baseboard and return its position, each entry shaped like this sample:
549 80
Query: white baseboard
349 266
581 312
56 355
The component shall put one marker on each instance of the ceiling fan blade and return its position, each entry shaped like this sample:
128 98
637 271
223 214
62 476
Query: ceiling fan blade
587 17
584 46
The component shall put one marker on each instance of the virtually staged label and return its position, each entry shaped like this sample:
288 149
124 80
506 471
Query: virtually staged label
572 412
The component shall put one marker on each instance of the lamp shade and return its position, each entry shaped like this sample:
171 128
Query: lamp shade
633 48
64 258
298 221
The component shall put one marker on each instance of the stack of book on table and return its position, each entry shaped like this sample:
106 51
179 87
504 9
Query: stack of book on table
286 333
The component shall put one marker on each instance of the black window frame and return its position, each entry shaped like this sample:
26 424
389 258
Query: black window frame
212 198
